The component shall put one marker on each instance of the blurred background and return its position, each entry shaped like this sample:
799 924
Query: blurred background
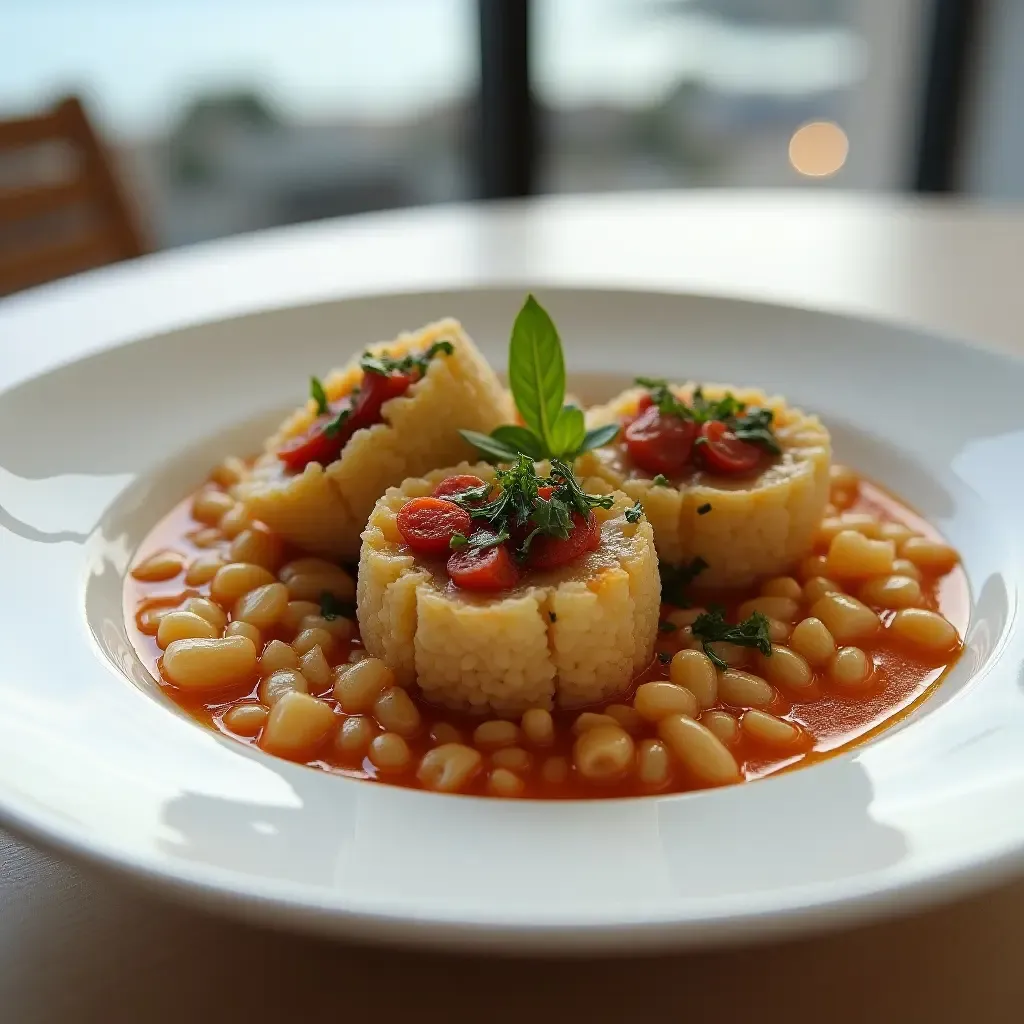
225 116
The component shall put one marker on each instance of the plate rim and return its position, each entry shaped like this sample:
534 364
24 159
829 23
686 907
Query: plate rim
183 882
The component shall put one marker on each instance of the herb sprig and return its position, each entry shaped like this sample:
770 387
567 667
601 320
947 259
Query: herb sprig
385 366
536 374
518 509
323 406
753 425
316 391
712 628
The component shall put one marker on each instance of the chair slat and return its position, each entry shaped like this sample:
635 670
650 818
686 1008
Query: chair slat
30 131
25 203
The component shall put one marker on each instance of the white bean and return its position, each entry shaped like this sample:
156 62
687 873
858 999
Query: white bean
926 630
769 730
851 668
701 752
695 671
812 640
214 664
449 767
603 754
742 689
297 725
262 607
845 617
164 565
356 686
279 682
181 625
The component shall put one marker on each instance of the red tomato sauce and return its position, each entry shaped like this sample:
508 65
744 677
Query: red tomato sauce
832 721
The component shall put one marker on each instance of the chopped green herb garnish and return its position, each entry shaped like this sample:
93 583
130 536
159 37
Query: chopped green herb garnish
661 481
751 425
519 505
676 579
634 513
536 374
711 627
316 390
667 627
755 427
385 365
332 428
479 540
331 608
704 509
470 496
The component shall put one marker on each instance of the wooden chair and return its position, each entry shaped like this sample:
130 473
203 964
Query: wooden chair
61 207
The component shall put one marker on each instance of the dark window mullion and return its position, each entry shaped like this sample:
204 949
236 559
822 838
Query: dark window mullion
506 118
955 31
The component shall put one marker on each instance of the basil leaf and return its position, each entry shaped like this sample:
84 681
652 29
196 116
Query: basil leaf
536 369
598 437
316 389
494 450
568 432
519 439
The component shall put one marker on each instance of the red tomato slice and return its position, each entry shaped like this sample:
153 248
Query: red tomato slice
374 391
643 403
427 524
483 568
315 445
547 552
457 484
658 443
723 452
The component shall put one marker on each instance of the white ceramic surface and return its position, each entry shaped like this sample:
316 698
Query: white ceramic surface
94 762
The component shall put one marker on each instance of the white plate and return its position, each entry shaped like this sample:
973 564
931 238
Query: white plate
94 762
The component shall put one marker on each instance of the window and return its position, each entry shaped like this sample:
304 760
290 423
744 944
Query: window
763 93
232 115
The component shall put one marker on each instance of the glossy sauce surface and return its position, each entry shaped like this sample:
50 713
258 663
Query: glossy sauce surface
830 720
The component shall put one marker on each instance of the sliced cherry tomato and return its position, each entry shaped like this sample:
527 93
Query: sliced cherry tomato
316 445
427 524
643 403
547 552
545 492
483 568
658 443
457 484
723 452
374 391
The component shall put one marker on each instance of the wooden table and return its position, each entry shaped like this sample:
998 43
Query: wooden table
75 946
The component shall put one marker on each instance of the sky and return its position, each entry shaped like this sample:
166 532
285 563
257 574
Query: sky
138 61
